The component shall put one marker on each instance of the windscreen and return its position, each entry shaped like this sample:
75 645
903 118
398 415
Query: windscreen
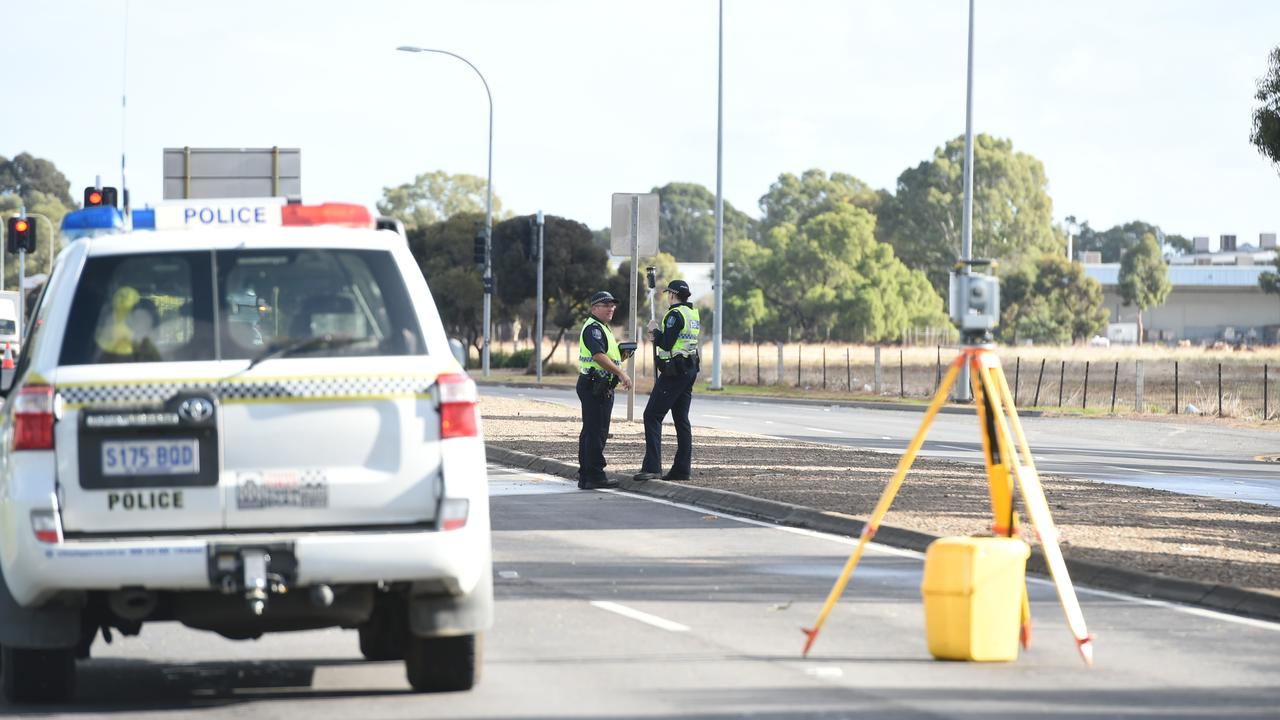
160 307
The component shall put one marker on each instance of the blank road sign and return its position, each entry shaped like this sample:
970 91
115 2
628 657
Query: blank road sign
646 224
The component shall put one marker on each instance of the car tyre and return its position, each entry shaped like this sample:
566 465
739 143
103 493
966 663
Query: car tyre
443 664
37 675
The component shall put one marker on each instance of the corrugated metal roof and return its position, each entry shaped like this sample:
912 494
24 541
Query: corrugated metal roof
1227 276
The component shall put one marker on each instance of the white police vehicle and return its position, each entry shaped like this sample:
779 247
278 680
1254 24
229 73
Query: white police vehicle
246 430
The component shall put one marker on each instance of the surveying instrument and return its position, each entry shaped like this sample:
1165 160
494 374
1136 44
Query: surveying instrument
975 311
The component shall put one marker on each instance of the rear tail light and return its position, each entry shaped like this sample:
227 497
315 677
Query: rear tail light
453 513
33 413
458 398
45 526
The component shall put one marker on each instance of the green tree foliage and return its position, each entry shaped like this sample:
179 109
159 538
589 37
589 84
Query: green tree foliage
1144 277
444 252
687 222
1012 211
1269 281
791 200
829 278
1266 117
1050 300
573 269
37 186
34 180
436 196
1114 243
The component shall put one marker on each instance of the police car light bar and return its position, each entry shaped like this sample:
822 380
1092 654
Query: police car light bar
264 212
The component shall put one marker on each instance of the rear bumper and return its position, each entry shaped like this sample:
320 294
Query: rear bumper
455 559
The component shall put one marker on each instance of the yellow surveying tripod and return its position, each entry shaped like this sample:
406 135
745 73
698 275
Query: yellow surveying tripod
1005 460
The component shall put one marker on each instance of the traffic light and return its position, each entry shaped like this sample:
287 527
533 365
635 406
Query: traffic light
531 239
98 197
21 235
480 254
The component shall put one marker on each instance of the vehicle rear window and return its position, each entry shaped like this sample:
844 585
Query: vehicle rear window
152 307
314 303
159 307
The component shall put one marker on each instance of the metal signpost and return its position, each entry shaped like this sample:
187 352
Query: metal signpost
538 329
634 232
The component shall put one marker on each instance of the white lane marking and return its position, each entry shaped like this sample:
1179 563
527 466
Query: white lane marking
768 422
643 617
901 552
718 417
824 430
1126 469
824 672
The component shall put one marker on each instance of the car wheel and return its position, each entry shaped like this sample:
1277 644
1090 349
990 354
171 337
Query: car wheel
384 635
37 675
443 664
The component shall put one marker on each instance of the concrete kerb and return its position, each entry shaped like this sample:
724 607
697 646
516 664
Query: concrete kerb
818 402
1224 598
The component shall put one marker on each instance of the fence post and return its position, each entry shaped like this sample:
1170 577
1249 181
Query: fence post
824 367
1265 415
1176 402
937 370
1039 379
757 364
738 379
902 376
781 376
848 371
1139 388
1115 381
1219 389
1017 371
876 381
1062 378
799 364
1084 403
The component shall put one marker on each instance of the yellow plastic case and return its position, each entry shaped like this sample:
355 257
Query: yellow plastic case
972 591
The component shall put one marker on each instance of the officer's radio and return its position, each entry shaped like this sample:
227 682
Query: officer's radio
975 302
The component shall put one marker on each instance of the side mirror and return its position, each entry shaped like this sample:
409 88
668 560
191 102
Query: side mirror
459 351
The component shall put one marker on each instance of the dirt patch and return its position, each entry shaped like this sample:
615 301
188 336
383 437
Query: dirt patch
1180 536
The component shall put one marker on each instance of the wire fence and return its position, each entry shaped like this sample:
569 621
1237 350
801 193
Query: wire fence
1146 380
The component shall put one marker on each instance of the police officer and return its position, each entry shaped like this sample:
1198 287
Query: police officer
600 370
677 342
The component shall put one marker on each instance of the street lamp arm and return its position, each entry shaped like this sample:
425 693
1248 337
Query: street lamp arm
489 95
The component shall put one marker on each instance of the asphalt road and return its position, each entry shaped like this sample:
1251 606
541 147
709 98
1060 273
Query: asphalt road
616 606
1196 458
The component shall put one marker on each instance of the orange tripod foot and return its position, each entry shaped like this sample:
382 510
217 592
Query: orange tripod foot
811 634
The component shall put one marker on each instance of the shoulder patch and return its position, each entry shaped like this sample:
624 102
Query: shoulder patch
671 320
597 333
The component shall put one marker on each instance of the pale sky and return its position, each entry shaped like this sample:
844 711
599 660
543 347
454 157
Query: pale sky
1138 109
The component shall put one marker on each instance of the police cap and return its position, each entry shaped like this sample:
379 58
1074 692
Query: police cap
604 296
679 287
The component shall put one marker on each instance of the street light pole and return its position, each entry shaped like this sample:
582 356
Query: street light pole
962 391
718 320
488 206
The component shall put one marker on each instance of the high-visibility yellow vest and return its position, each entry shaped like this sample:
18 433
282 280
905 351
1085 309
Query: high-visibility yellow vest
585 361
687 343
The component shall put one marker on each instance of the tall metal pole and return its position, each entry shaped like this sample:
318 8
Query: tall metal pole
538 329
718 320
962 388
633 327
488 206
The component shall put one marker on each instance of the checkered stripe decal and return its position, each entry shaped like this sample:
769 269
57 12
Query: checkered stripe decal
299 389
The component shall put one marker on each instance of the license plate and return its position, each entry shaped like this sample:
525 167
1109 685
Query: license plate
151 457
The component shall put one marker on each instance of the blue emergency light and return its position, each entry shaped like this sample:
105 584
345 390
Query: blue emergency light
92 221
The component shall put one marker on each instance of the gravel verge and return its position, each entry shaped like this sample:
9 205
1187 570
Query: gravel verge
1217 553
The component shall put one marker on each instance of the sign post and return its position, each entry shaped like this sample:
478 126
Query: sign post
634 232
538 329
